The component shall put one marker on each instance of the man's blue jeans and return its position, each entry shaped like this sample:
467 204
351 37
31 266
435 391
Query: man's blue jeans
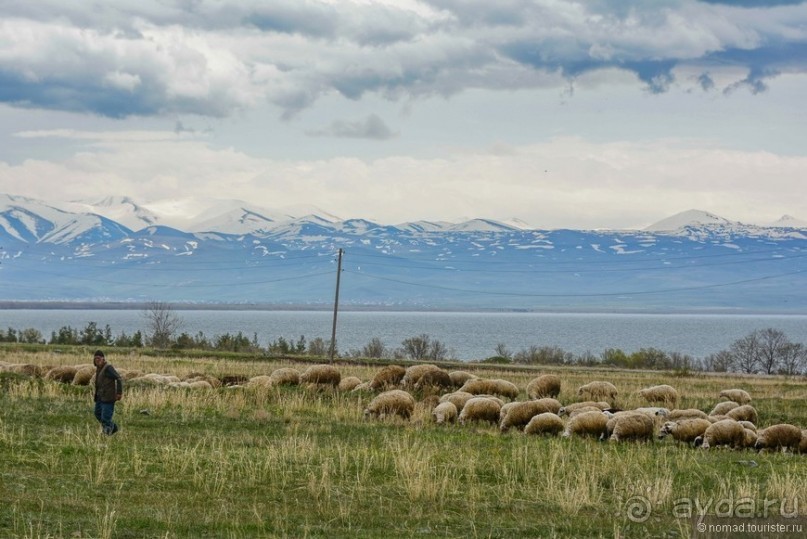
103 413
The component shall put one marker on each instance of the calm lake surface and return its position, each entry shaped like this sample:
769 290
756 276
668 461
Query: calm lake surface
467 335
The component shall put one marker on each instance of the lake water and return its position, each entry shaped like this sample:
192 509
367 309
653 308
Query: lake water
467 335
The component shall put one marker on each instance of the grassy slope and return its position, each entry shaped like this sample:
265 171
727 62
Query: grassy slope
292 462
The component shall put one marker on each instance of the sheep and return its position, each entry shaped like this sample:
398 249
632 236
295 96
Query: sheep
586 424
546 385
748 425
321 375
349 383
233 380
362 387
685 430
480 409
285 376
506 408
663 393
388 377
750 439
460 377
581 410
743 413
736 395
479 386
28 369
415 373
569 408
520 413
429 402
200 384
686 413
803 444
445 412
201 377
724 432
458 398
260 381
390 403
598 390
64 374
85 374
546 423
722 408
630 425
778 436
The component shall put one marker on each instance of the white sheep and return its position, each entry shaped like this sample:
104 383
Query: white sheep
261 380
325 375
686 413
458 398
546 423
739 396
445 412
499 387
750 439
748 425
722 408
781 436
200 384
631 425
724 432
434 379
63 374
598 390
569 408
390 403
349 383
664 393
415 373
480 409
746 412
803 444
518 414
685 430
587 424
86 374
545 385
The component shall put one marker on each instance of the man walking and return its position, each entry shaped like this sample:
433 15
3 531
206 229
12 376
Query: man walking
108 390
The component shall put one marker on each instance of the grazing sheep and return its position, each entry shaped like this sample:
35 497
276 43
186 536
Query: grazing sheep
499 387
781 436
260 381
434 379
349 383
630 425
736 395
445 412
663 393
64 374
581 410
570 408
546 423
429 402
85 374
685 430
362 387
285 376
546 385
722 408
750 439
803 444
518 414
745 412
179 385
388 377
654 411
506 408
480 409
200 384
27 369
686 413
233 380
460 377
598 390
326 375
201 377
415 373
587 424
390 403
458 398
724 432
748 425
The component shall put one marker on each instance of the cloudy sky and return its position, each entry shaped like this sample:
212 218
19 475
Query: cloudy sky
583 114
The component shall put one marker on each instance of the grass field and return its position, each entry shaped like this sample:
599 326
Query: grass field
292 462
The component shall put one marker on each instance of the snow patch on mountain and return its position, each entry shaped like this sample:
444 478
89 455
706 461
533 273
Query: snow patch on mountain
689 218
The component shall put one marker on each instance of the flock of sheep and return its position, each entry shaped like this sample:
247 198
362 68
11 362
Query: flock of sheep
462 397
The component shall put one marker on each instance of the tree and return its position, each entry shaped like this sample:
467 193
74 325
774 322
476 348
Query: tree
374 349
502 351
417 348
794 359
162 322
745 353
772 345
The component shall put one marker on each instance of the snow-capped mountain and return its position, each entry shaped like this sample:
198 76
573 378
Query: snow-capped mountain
239 253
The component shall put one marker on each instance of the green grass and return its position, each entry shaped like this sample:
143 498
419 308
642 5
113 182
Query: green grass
292 462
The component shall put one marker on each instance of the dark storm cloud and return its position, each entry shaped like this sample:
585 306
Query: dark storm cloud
213 58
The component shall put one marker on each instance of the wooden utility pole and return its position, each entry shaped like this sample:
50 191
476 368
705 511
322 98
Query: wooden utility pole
335 307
